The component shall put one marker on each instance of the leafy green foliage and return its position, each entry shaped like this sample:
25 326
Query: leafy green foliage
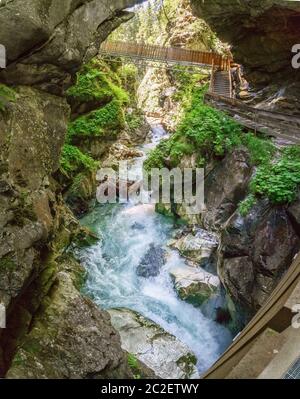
247 204
97 82
6 95
134 365
211 134
261 150
279 181
203 130
135 119
185 83
108 120
73 161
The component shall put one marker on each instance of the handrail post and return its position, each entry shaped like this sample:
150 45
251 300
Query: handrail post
212 75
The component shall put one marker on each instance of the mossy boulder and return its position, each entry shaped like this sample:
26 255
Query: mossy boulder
194 285
148 342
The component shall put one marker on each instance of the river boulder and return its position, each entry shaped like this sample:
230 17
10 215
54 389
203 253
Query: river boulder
199 246
152 262
194 285
162 352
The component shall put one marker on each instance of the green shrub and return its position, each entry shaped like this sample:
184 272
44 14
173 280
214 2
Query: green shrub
73 161
6 95
279 181
185 83
129 79
203 130
211 134
261 150
135 119
134 365
106 120
156 157
247 204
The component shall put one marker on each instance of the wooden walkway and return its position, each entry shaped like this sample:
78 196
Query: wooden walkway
171 55
282 126
274 124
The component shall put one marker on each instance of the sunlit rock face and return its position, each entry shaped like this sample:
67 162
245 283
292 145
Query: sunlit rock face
262 33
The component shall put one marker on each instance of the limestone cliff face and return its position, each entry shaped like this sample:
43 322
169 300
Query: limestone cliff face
261 33
46 43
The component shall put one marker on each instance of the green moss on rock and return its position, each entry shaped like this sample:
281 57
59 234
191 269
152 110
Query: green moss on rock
97 82
73 161
107 121
7 95
7 263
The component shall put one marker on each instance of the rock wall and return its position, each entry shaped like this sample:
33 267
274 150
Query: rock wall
256 249
261 33
46 44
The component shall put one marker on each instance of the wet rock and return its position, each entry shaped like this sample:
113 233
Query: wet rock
255 252
294 214
152 262
199 246
194 285
159 350
137 226
71 338
239 278
120 152
35 142
225 186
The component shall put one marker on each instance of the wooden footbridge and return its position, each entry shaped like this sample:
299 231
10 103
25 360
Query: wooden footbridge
284 127
169 55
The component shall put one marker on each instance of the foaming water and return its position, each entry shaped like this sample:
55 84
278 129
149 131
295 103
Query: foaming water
128 231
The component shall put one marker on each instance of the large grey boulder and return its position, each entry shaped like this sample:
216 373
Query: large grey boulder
160 351
294 214
152 262
194 285
199 246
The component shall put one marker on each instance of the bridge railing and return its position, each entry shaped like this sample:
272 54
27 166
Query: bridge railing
165 54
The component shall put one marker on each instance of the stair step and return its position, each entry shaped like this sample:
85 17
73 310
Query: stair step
262 352
281 365
221 84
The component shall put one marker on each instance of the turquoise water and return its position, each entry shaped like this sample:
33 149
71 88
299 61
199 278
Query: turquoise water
127 232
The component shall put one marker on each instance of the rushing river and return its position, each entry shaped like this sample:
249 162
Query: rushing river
127 231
